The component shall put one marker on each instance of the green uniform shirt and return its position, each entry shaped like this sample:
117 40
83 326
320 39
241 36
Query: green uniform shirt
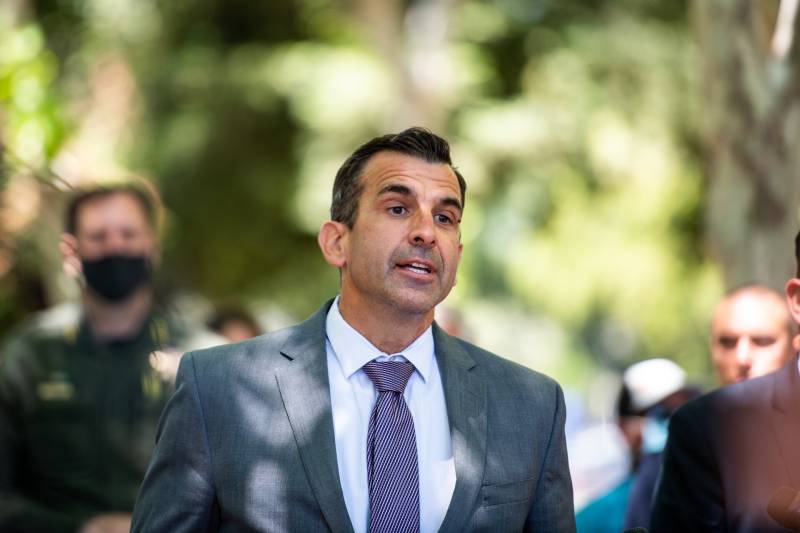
78 421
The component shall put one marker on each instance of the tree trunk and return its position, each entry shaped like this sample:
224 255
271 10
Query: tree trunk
751 128
412 43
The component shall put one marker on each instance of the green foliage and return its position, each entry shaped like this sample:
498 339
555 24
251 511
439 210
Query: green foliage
32 130
33 127
592 211
574 123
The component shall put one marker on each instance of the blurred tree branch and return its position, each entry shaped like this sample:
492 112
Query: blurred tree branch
783 40
412 41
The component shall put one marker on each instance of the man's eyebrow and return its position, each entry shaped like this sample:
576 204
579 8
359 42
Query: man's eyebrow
395 188
452 202
398 188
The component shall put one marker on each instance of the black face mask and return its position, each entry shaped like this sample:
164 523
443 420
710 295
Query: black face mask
115 277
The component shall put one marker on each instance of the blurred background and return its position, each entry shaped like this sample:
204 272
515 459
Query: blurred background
627 160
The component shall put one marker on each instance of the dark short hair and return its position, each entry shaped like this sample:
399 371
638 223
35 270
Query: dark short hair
797 252
416 142
624 404
226 315
81 197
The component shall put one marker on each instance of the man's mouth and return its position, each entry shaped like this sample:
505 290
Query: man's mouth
417 267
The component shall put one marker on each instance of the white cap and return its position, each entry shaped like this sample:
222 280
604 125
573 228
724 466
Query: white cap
652 380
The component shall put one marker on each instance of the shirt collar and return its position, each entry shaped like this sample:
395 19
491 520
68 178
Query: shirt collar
353 350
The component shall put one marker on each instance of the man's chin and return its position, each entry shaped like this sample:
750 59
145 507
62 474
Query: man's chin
415 303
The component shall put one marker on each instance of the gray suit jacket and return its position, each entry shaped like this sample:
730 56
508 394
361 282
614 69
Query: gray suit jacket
247 442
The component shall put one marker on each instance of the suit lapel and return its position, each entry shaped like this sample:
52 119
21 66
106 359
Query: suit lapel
304 388
465 396
786 418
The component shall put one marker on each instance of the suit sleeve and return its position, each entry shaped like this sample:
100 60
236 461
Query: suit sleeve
177 494
552 508
689 494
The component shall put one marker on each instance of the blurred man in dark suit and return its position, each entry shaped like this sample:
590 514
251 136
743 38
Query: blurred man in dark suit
730 452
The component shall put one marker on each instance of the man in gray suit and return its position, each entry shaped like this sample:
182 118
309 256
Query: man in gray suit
286 432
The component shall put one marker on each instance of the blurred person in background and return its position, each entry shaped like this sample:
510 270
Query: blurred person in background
657 388
81 393
751 333
618 446
451 320
234 323
731 461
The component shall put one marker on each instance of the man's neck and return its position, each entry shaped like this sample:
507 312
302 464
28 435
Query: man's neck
117 320
387 329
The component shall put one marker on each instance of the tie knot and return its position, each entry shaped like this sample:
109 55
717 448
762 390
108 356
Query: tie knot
389 376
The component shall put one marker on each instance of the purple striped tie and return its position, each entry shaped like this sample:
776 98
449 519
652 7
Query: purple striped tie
392 470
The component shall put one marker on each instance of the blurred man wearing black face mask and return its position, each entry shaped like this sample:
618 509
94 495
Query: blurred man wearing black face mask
111 246
80 401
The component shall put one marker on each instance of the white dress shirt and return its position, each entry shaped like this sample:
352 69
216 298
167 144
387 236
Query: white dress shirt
352 398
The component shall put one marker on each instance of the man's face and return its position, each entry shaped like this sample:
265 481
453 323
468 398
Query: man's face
403 250
750 336
113 225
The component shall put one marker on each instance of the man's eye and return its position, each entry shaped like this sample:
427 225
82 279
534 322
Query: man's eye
727 342
397 210
444 219
763 341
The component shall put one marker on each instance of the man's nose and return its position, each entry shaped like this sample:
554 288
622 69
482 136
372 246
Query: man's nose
115 243
423 230
744 352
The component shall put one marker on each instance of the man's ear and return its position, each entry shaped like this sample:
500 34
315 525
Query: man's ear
793 298
332 241
70 260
